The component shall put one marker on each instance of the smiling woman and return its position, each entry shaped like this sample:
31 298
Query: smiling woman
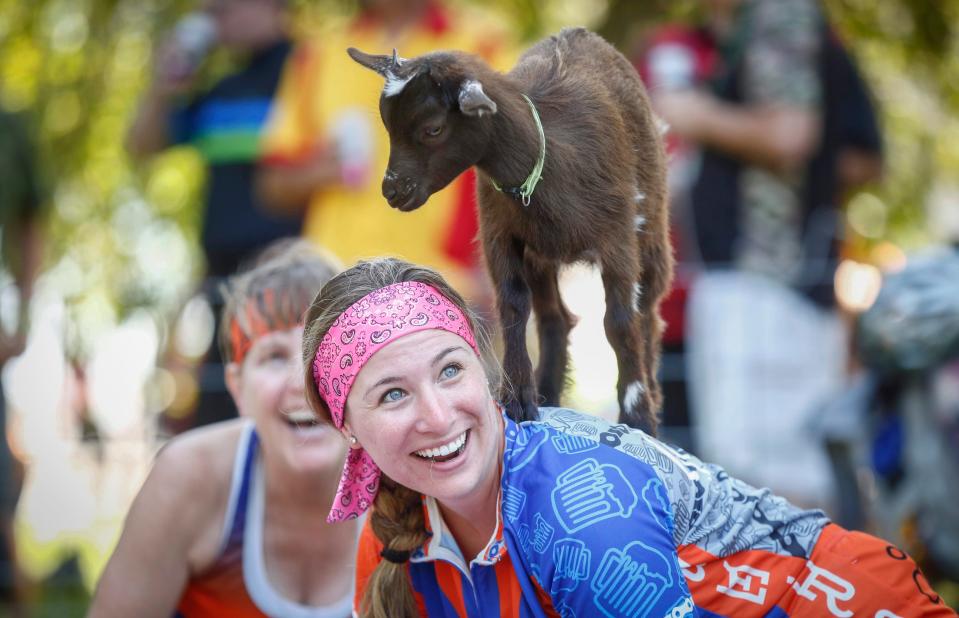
439 412
424 388
473 514
232 512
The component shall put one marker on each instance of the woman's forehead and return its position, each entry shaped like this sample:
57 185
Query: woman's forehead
421 347
280 335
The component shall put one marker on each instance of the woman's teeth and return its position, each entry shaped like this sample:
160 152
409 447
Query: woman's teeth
301 418
453 448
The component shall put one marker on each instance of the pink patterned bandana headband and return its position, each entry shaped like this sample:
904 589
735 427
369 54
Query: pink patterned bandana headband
377 319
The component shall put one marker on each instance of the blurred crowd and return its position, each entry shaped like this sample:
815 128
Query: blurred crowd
780 362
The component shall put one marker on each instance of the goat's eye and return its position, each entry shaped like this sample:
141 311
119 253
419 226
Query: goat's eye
433 131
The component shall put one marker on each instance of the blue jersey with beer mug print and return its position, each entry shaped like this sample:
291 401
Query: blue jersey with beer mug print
602 520
598 536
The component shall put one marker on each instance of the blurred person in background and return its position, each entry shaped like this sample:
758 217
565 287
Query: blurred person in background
231 521
783 125
327 107
22 197
224 123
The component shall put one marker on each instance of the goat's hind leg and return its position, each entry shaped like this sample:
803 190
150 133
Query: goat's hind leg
656 273
622 324
553 323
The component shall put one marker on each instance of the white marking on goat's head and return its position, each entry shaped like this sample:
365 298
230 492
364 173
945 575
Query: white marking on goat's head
395 84
637 296
473 101
639 221
639 197
633 392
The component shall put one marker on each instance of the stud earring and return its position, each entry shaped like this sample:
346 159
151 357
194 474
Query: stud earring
353 440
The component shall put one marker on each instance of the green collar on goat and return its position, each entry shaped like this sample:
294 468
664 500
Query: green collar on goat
524 193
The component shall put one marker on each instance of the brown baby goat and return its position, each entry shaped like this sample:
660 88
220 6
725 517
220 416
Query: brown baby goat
602 196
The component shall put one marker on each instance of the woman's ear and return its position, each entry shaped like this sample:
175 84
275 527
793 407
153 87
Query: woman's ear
348 434
233 380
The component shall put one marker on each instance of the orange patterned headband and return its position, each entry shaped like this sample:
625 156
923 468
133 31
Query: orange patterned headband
250 323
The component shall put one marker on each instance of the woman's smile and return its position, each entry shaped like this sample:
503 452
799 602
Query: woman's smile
301 419
446 452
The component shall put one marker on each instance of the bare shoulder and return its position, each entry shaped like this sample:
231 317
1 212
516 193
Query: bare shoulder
191 479
210 448
172 532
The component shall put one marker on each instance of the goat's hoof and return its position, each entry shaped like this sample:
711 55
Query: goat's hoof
641 416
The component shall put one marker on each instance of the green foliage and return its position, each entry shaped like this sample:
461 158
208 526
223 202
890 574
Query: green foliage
908 51
118 237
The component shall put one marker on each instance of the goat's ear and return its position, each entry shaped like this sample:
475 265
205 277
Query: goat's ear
473 101
380 64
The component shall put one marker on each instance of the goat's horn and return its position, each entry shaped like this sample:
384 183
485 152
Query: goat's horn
397 61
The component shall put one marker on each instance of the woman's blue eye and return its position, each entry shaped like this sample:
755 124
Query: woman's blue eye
394 394
451 371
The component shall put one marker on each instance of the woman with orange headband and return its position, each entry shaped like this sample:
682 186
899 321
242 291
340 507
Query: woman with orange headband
472 514
231 521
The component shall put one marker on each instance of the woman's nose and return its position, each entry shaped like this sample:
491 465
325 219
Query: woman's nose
433 416
295 377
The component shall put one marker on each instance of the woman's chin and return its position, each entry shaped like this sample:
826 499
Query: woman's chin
312 448
315 458
310 432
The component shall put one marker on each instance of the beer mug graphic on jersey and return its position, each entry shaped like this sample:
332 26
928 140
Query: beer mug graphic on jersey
523 536
630 581
571 560
528 441
514 501
682 609
572 445
542 534
589 493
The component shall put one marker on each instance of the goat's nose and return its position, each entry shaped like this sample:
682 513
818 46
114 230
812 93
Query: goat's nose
389 185
388 191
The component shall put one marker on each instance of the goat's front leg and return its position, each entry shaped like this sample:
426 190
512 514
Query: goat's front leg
553 322
505 261
622 330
